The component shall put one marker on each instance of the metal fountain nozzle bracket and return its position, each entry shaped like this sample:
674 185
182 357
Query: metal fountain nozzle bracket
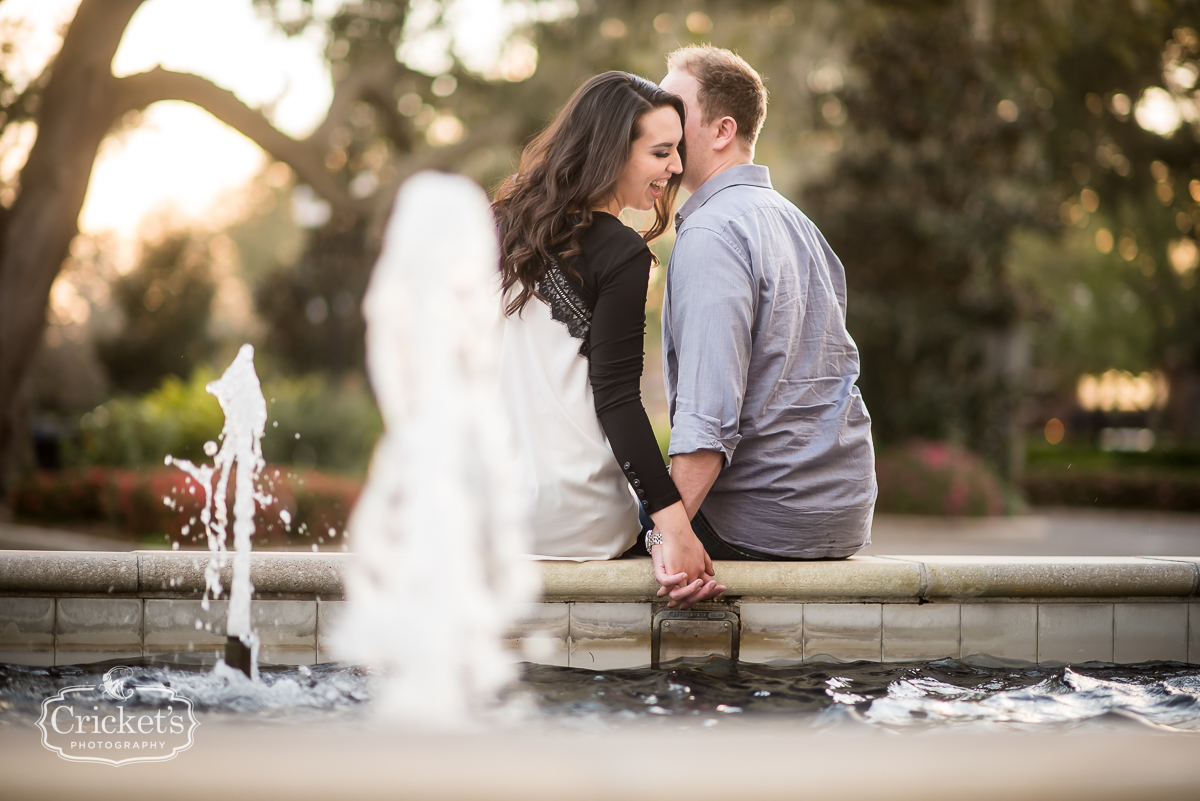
694 632
239 655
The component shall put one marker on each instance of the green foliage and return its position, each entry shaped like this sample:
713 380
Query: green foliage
165 303
337 422
1087 317
312 422
1064 456
177 418
1140 487
662 435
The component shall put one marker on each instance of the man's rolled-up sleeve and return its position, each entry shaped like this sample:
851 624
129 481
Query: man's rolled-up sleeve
712 300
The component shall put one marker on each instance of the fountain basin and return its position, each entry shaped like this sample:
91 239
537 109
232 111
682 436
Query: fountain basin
762 761
79 607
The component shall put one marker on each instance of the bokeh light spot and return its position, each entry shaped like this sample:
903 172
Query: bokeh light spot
1055 431
1128 248
444 85
1122 391
699 22
1184 256
612 28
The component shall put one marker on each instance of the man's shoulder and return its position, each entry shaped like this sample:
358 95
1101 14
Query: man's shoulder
733 205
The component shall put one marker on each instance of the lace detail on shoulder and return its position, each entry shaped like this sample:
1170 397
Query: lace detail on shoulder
566 306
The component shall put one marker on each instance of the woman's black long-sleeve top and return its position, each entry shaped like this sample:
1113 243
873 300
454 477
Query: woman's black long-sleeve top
601 298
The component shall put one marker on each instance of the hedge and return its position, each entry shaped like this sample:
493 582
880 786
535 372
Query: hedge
165 502
1168 490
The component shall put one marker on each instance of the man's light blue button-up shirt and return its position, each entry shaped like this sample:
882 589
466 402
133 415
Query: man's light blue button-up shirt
759 366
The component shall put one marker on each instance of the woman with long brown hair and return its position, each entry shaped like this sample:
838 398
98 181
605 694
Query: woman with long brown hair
574 279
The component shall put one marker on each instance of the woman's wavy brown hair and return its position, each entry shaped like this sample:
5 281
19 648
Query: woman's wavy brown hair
569 169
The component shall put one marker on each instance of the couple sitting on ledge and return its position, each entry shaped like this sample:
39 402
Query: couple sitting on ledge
771 455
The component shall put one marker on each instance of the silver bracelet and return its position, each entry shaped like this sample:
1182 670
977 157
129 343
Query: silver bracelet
652 538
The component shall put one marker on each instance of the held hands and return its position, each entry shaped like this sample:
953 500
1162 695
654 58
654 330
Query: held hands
684 571
681 565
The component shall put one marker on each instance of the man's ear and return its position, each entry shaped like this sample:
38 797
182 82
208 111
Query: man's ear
725 134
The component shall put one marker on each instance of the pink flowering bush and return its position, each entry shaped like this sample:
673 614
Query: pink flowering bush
938 478
163 504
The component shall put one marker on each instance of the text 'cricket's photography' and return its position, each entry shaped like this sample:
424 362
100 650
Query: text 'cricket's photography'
519 399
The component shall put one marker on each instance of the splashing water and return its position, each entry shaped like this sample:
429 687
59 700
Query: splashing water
693 693
439 527
240 395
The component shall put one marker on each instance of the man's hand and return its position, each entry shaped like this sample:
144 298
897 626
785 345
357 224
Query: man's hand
682 592
681 553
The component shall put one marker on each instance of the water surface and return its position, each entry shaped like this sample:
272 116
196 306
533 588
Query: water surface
693 692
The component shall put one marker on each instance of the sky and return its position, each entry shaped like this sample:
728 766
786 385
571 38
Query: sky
181 160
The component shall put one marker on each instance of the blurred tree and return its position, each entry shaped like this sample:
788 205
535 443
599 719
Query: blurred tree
312 308
965 125
165 302
936 174
1127 157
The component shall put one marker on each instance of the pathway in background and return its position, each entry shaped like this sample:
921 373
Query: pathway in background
18 537
1043 532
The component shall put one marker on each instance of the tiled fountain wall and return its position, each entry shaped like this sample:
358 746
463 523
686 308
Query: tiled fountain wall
68 608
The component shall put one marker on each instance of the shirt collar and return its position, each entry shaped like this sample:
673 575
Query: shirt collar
742 174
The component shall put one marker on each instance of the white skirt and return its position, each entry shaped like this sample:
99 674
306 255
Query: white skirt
581 502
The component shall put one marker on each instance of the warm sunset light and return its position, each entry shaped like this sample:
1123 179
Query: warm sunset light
181 160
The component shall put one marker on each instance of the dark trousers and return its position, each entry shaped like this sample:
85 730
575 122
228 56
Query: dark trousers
717 548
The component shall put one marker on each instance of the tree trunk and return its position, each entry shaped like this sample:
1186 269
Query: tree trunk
77 110
1182 401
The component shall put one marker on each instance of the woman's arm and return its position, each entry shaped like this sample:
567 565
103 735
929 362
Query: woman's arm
616 353
616 357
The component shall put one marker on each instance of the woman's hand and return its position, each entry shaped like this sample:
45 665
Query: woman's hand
683 594
681 565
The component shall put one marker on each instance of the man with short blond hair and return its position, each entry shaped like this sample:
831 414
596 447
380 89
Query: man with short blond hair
725 86
770 439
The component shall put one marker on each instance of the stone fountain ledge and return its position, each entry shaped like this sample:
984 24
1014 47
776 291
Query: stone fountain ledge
889 579
73 607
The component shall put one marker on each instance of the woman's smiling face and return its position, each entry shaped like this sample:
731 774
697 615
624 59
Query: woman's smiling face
653 159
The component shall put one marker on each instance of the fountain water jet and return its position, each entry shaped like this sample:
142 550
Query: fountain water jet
440 527
240 395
